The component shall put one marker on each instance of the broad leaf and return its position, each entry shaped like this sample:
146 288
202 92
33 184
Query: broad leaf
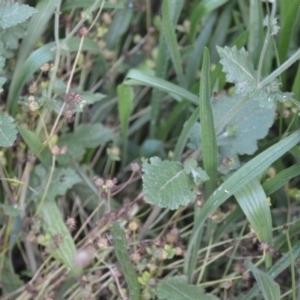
253 201
167 184
9 210
177 288
88 136
238 68
8 132
13 14
62 180
242 130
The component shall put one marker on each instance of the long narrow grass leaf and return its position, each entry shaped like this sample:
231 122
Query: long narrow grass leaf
125 102
170 36
195 58
162 67
136 77
35 29
288 20
275 270
120 244
236 181
54 226
38 58
184 135
256 37
208 134
269 288
253 201
282 178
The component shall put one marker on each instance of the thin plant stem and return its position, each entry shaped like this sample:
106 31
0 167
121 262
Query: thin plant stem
266 43
47 185
281 69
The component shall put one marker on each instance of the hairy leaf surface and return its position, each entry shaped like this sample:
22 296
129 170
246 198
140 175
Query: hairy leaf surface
167 184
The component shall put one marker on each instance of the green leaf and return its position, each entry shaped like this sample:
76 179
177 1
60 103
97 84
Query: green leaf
8 132
88 136
170 36
161 67
166 184
125 101
54 226
288 22
120 246
13 14
177 288
250 120
35 145
85 136
88 3
136 77
236 181
238 68
276 269
119 26
256 36
10 38
37 59
9 210
281 179
184 135
269 288
11 281
253 201
208 133
62 180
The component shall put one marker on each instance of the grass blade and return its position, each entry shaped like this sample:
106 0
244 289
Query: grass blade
36 60
280 266
35 145
208 134
253 201
162 67
256 37
288 19
136 77
125 101
54 226
170 36
195 58
120 244
269 288
184 135
36 27
208 145
236 181
281 179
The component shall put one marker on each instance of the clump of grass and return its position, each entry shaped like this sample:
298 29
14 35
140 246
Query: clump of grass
105 99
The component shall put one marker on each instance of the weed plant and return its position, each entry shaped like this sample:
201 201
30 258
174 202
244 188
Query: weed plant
149 149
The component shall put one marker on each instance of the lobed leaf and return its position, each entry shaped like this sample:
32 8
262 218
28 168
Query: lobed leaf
8 132
249 123
13 14
238 68
167 184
